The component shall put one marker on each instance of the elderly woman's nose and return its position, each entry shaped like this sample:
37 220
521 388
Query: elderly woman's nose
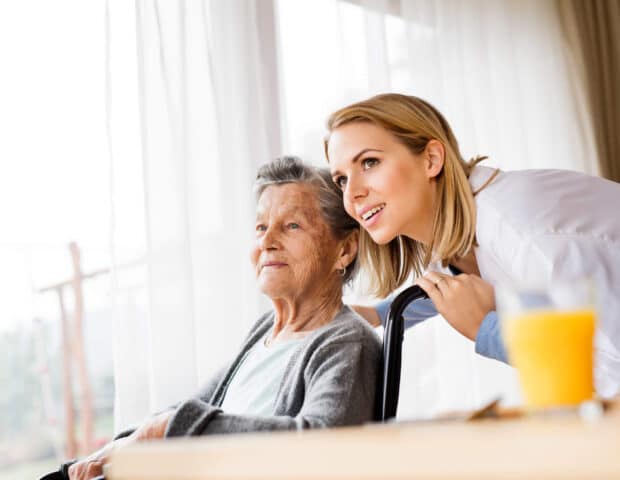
269 238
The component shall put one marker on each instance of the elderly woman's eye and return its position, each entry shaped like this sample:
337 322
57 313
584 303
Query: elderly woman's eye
340 181
293 226
369 162
261 228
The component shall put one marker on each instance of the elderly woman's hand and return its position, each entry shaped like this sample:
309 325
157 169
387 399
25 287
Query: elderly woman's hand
92 466
153 428
463 300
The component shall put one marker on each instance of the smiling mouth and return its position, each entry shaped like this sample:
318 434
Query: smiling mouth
274 265
372 212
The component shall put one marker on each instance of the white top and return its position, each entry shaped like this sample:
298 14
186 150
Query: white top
256 382
539 226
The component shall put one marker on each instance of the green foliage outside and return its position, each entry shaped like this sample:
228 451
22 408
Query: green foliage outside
26 433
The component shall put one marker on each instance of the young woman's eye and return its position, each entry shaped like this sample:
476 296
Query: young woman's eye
369 163
293 226
341 182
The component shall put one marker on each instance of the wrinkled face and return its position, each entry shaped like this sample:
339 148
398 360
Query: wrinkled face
386 187
295 251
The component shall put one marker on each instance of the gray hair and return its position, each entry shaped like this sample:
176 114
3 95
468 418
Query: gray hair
290 169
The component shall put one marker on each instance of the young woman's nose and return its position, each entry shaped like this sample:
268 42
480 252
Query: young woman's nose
354 190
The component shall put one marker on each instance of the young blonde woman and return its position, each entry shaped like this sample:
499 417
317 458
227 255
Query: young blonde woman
462 228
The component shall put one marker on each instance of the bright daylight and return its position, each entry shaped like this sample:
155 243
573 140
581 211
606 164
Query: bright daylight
309 239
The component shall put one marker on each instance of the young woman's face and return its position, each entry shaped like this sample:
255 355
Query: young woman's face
387 189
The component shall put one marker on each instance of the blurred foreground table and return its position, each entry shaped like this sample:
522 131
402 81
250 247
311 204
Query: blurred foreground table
562 446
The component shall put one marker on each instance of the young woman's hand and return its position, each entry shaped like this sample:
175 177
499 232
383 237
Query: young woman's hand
463 300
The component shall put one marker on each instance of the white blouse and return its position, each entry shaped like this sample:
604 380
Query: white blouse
540 226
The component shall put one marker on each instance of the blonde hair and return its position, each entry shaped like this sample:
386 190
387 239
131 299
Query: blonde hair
415 122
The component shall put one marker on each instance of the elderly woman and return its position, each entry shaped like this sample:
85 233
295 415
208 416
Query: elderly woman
311 362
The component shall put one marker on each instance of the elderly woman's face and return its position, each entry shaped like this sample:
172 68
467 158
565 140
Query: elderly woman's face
295 251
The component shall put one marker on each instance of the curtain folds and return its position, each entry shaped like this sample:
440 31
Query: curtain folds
207 105
592 30
501 75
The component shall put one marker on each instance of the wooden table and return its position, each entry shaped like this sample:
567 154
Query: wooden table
562 446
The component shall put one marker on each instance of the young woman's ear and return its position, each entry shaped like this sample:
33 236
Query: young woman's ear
434 157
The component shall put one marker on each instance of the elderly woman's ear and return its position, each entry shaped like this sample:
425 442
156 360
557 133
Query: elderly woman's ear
348 250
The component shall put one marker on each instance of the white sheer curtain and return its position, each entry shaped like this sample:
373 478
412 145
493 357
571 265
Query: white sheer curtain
500 72
503 77
200 90
207 109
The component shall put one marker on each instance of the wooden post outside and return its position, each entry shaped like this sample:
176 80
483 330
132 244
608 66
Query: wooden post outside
86 396
73 350
71 444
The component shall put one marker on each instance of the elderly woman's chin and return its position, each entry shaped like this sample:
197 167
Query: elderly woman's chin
273 283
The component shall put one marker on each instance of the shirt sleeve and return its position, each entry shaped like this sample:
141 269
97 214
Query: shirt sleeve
416 312
488 341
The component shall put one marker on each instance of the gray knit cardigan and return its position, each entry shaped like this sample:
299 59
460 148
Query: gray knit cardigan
329 381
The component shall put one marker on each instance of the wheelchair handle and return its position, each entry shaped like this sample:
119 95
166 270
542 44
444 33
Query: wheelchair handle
392 350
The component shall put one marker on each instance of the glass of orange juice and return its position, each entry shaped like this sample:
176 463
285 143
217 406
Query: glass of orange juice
548 333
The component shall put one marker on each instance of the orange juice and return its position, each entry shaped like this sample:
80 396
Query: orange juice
552 351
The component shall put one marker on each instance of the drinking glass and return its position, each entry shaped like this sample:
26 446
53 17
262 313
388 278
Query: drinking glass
548 333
